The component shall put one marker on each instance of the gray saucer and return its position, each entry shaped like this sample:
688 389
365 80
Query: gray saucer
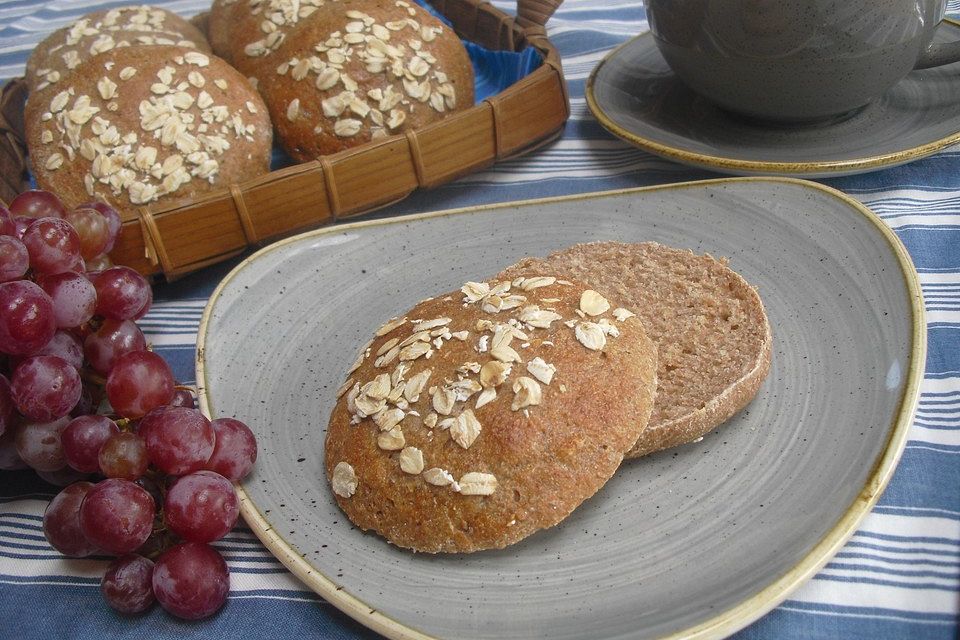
635 96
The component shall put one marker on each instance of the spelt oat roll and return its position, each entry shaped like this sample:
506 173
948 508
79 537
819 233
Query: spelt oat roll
95 33
484 415
147 125
713 337
244 32
359 70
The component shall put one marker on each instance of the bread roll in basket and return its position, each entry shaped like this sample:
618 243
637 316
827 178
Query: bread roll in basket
180 238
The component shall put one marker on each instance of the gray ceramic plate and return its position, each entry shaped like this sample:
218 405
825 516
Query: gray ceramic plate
635 96
698 540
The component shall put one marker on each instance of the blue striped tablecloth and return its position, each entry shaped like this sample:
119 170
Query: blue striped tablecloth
899 576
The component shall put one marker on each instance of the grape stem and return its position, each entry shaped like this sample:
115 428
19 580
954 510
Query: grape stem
92 377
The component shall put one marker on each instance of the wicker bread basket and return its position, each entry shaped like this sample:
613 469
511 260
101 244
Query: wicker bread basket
177 240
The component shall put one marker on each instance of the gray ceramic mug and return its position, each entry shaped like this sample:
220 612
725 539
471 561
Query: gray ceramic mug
797 60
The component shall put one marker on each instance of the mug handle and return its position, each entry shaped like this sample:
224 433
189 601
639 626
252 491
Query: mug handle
939 54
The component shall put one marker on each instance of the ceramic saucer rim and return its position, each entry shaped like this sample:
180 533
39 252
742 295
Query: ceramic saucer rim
727 164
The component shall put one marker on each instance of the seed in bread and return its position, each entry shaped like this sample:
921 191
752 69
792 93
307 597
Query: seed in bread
95 33
479 417
343 78
147 125
712 333
243 32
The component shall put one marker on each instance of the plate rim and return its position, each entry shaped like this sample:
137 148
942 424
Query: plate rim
828 168
720 625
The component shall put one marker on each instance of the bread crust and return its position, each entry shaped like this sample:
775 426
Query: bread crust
355 71
247 32
58 54
221 25
175 124
698 391
547 458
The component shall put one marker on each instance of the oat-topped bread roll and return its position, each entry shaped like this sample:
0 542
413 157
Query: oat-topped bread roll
147 125
711 330
489 413
245 31
359 70
100 31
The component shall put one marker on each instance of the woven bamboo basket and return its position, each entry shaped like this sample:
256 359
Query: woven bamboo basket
176 240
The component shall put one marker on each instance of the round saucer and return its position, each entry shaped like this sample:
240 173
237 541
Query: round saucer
635 96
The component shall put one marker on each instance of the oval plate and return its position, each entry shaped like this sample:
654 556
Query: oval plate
696 541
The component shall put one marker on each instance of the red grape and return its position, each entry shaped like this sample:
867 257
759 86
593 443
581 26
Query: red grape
124 456
146 305
92 229
121 293
37 204
138 382
191 580
61 522
183 398
53 245
64 345
7 408
113 339
20 225
78 266
114 223
7 226
14 259
235 450
127 586
117 516
74 298
98 263
39 444
201 507
26 318
10 460
82 439
179 440
45 387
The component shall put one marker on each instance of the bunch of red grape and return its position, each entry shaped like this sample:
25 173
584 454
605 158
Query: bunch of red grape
83 401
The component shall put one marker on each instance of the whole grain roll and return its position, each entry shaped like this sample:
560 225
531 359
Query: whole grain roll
95 33
221 25
484 415
360 70
243 32
713 337
145 126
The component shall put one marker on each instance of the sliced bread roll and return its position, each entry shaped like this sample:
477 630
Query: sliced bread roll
488 413
711 330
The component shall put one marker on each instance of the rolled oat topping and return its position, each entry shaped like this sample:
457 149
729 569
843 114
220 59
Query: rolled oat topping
182 134
344 480
393 50
508 319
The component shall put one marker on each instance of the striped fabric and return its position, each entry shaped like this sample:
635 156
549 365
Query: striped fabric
899 576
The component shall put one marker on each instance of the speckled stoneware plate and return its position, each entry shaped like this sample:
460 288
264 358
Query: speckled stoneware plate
635 96
698 541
